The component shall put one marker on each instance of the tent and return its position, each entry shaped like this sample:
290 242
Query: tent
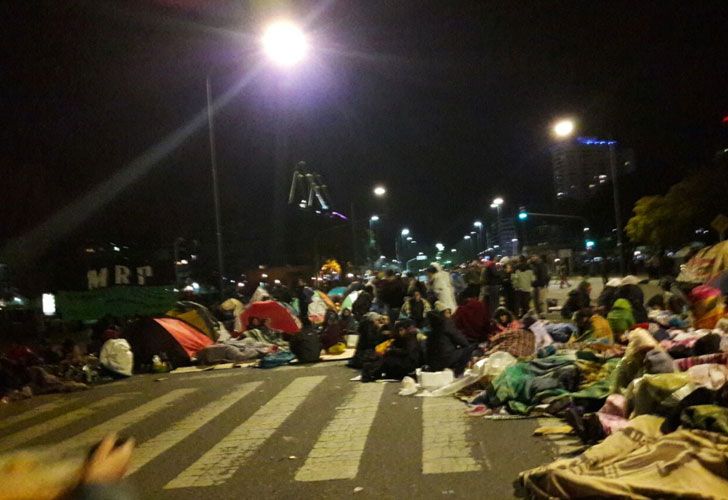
283 317
339 290
320 303
179 341
349 300
198 316
706 264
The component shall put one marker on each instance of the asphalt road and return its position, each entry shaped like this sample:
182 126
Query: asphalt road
289 432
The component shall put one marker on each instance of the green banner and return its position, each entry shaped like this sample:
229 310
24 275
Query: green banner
115 301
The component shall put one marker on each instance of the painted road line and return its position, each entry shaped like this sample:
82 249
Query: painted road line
338 451
21 437
34 412
445 446
121 422
223 460
151 449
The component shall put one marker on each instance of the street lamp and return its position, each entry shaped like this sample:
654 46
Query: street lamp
379 191
479 225
564 129
497 203
284 44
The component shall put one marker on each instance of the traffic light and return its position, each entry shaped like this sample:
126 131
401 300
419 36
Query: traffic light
522 214
589 244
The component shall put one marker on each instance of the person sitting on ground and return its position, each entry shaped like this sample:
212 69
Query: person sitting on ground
363 302
592 327
404 355
621 320
446 347
347 322
609 294
505 320
630 290
416 309
473 319
373 330
579 298
331 333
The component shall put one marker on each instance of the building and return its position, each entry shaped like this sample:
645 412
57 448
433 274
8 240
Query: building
582 165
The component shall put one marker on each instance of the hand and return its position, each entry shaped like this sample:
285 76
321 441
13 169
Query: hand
108 464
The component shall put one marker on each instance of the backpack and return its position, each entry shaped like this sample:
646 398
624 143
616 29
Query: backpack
306 346
276 359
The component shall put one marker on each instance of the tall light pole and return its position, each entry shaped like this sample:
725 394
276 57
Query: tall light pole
479 225
372 240
398 242
284 44
564 129
497 203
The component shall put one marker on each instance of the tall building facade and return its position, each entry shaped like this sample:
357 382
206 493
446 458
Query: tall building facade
581 165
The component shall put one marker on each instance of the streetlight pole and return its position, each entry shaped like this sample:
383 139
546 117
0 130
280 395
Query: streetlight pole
215 188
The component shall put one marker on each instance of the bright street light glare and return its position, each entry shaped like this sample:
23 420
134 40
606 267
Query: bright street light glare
405 232
284 43
564 128
498 201
453 250
440 246
374 218
467 237
586 229
477 223
379 190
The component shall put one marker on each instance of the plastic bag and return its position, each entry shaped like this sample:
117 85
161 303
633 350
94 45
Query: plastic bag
116 356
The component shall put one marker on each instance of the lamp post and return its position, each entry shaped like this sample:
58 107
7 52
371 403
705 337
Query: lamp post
497 203
285 45
479 226
564 129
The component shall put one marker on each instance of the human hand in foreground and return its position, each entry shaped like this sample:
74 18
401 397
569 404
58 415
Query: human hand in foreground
109 462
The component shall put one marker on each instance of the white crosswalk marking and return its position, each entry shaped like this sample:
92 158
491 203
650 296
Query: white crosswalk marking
127 419
338 451
34 412
222 461
29 433
154 447
445 447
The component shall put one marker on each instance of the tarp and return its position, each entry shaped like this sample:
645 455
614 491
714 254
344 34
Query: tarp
115 301
706 264
169 336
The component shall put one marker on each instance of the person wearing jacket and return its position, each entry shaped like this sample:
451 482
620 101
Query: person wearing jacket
540 283
579 298
609 295
416 308
363 302
631 291
620 318
440 284
522 280
492 282
404 355
446 347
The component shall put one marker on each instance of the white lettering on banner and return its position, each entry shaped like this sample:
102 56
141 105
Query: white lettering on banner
143 273
98 279
121 274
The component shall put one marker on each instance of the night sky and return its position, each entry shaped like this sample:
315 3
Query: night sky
447 103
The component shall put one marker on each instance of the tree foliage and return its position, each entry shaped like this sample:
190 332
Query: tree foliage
671 219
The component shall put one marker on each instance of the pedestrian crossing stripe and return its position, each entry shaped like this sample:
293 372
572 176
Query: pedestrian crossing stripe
338 451
223 460
22 437
178 431
34 412
445 446
127 419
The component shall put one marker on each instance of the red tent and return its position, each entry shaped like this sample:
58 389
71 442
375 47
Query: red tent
178 340
282 316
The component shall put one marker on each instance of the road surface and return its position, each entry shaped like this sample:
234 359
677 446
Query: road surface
289 432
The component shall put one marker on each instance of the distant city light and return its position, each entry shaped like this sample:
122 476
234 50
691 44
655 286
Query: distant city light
453 250
195 286
586 229
277 282
477 223
350 275
467 237
49 304
379 190
405 232
117 249
374 218
498 201
409 238
592 141
263 275
440 247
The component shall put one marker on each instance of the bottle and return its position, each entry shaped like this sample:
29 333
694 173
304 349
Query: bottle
157 365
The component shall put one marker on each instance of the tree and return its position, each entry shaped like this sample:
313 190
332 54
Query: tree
690 204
